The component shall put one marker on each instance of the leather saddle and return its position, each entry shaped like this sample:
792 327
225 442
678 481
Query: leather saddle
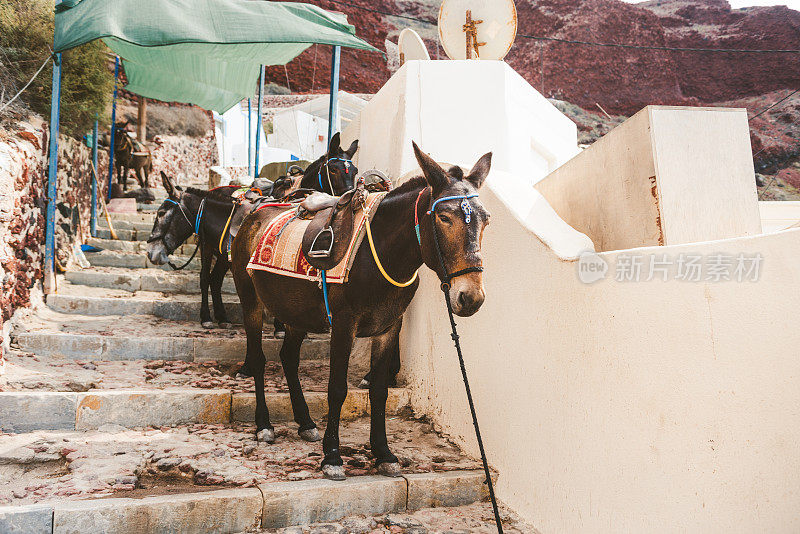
330 231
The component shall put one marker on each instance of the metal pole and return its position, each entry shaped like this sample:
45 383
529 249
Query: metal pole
259 126
94 179
49 282
249 137
113 127
333 110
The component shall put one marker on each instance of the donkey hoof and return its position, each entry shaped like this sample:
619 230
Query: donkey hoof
207 324
389 469
266 435
333 472
364 384
280 334
225 325
312 434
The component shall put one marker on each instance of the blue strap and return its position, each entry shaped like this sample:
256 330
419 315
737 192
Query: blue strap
325 297
199 217
433 206
319 177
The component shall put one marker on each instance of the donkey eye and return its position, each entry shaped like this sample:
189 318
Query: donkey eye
445 218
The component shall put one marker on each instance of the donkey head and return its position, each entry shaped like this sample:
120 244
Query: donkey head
174 224
457 225
336 169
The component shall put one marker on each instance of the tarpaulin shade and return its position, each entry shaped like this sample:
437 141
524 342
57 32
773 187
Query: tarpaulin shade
204 52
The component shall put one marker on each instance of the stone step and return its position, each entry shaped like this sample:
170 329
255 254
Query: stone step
130 235
122 224
129 260
271 505
175 307
143 280
146 346
132 217
24 411
135 247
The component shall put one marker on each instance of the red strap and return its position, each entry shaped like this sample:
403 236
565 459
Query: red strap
275 205
416 206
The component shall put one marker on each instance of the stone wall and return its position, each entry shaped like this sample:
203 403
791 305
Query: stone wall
185 158
22 221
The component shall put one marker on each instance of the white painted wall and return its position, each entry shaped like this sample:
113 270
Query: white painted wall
613 407
779 215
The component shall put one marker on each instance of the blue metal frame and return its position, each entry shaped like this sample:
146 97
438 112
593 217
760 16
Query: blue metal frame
93 215
113 127
52 180
249 138
259 125
333 109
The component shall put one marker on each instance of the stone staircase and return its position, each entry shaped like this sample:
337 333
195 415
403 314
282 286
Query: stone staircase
120 413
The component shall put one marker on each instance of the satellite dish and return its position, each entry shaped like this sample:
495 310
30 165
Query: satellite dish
477 29
411 46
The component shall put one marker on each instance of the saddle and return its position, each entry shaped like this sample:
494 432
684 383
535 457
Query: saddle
328 235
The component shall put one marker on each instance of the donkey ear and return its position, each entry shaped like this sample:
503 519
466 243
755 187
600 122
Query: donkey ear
478 173
434 174
169 185
333 147
352 150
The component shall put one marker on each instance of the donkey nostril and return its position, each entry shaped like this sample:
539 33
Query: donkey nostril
462 299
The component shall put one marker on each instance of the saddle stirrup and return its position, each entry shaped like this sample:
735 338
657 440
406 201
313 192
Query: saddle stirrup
326 252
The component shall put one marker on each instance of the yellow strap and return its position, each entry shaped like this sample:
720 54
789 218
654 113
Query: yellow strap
378 262
225 230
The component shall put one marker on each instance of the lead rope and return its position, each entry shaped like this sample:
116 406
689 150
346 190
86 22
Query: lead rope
445 286
197 229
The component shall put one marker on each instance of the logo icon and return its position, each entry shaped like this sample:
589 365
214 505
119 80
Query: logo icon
591 267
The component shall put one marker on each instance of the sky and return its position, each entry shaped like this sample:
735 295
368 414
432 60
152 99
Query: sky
794 4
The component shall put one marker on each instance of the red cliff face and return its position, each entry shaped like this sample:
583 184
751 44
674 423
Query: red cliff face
620 80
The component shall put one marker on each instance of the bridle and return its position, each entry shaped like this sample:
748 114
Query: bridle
347 163
445 277
195 226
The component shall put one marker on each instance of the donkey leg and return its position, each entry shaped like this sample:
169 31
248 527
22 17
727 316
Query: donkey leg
342 336
290 359
205 279
380 368
253 313
217 277
394 365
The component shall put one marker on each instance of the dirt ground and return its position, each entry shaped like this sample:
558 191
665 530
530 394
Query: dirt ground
137 462
27 372
473 519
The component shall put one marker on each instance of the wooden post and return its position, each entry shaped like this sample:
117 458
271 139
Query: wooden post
141 127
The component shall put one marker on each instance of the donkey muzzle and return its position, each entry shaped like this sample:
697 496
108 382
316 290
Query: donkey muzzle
157 253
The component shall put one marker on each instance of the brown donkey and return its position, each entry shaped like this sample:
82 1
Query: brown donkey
367 305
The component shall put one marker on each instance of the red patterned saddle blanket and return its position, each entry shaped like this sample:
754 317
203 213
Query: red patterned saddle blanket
279 248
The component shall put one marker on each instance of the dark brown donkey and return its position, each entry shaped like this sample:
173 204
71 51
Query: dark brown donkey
131 154
177 220
367 305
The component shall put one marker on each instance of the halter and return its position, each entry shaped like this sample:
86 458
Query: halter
346 161
195 226
466 208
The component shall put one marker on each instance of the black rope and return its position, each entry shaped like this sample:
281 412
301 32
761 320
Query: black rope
182 267
454 335
772 106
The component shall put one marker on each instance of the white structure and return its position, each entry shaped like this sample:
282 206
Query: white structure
230 130
303 129
617 406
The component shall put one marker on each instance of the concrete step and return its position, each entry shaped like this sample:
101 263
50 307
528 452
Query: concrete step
123 224
146 346
129 260
174 307
25 411
158 280
271 505
134 247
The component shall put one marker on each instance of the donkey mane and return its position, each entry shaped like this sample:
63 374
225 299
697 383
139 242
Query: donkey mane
220 193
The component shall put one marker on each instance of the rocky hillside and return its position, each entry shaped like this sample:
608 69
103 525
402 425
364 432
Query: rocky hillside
619 80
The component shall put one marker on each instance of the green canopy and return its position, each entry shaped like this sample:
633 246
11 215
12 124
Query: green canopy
204 52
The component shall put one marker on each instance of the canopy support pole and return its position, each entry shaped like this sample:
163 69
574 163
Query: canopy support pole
333 110
141 120
113 127
93 213
259 126
249 137
49 282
